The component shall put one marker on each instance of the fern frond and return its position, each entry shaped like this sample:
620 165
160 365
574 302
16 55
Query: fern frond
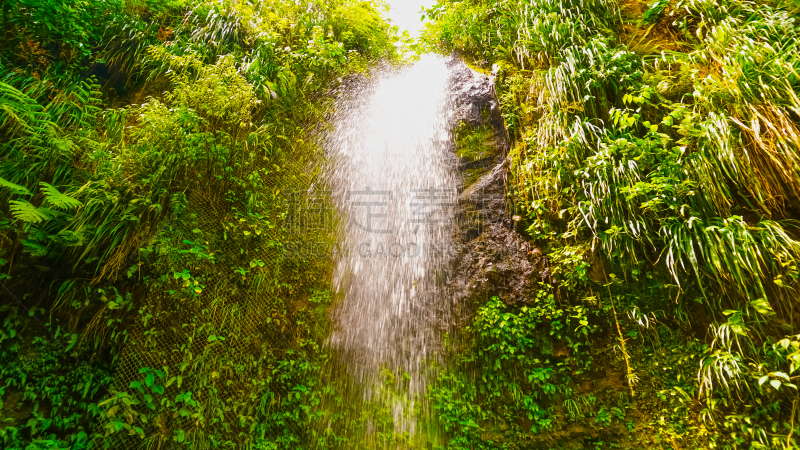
28 213
34 248
15 188
18 111
57 199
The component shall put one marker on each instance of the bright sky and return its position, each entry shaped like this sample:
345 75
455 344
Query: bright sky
405 14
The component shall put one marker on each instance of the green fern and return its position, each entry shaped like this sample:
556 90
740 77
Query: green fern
15 188
34 248
28 213
17 110
57 199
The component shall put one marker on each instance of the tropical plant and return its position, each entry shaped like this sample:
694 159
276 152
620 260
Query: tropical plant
664 167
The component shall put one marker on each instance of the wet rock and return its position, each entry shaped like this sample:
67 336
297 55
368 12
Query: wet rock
475 98
481 148
500 262
481 138
494 258
483 204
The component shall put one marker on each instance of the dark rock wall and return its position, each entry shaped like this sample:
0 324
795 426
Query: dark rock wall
493 259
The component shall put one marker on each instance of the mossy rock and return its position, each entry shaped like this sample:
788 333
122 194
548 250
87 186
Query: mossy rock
476 148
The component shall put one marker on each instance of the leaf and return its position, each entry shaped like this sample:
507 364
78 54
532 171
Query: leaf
775 383
781 375
683 393
15 188
24 211
72 341
57 199
762 306
34 248
149 379
106 401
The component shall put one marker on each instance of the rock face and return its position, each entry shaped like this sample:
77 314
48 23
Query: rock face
474 94
500 262
494 259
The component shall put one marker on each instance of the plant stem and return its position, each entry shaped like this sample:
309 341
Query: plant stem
630 375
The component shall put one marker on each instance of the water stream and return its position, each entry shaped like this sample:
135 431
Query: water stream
394 183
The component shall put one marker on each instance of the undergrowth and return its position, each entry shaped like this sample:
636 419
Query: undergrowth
656 159
149 154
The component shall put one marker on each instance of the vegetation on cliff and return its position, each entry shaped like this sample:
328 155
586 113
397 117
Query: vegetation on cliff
148 152
156 288
656 161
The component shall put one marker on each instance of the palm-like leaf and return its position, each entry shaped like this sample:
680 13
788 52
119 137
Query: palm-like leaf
28 213
15 188
57 199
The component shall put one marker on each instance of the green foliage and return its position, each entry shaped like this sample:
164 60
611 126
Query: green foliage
126 196
668 180
57 397
31 28
510 372
57 199
655 10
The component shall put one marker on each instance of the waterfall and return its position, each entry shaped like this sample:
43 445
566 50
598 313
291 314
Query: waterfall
394 181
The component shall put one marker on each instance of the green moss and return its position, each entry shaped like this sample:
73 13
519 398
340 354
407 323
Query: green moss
475 145
473 175
471 64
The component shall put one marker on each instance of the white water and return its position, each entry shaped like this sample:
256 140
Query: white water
394 183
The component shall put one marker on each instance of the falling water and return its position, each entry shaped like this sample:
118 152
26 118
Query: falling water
394 182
